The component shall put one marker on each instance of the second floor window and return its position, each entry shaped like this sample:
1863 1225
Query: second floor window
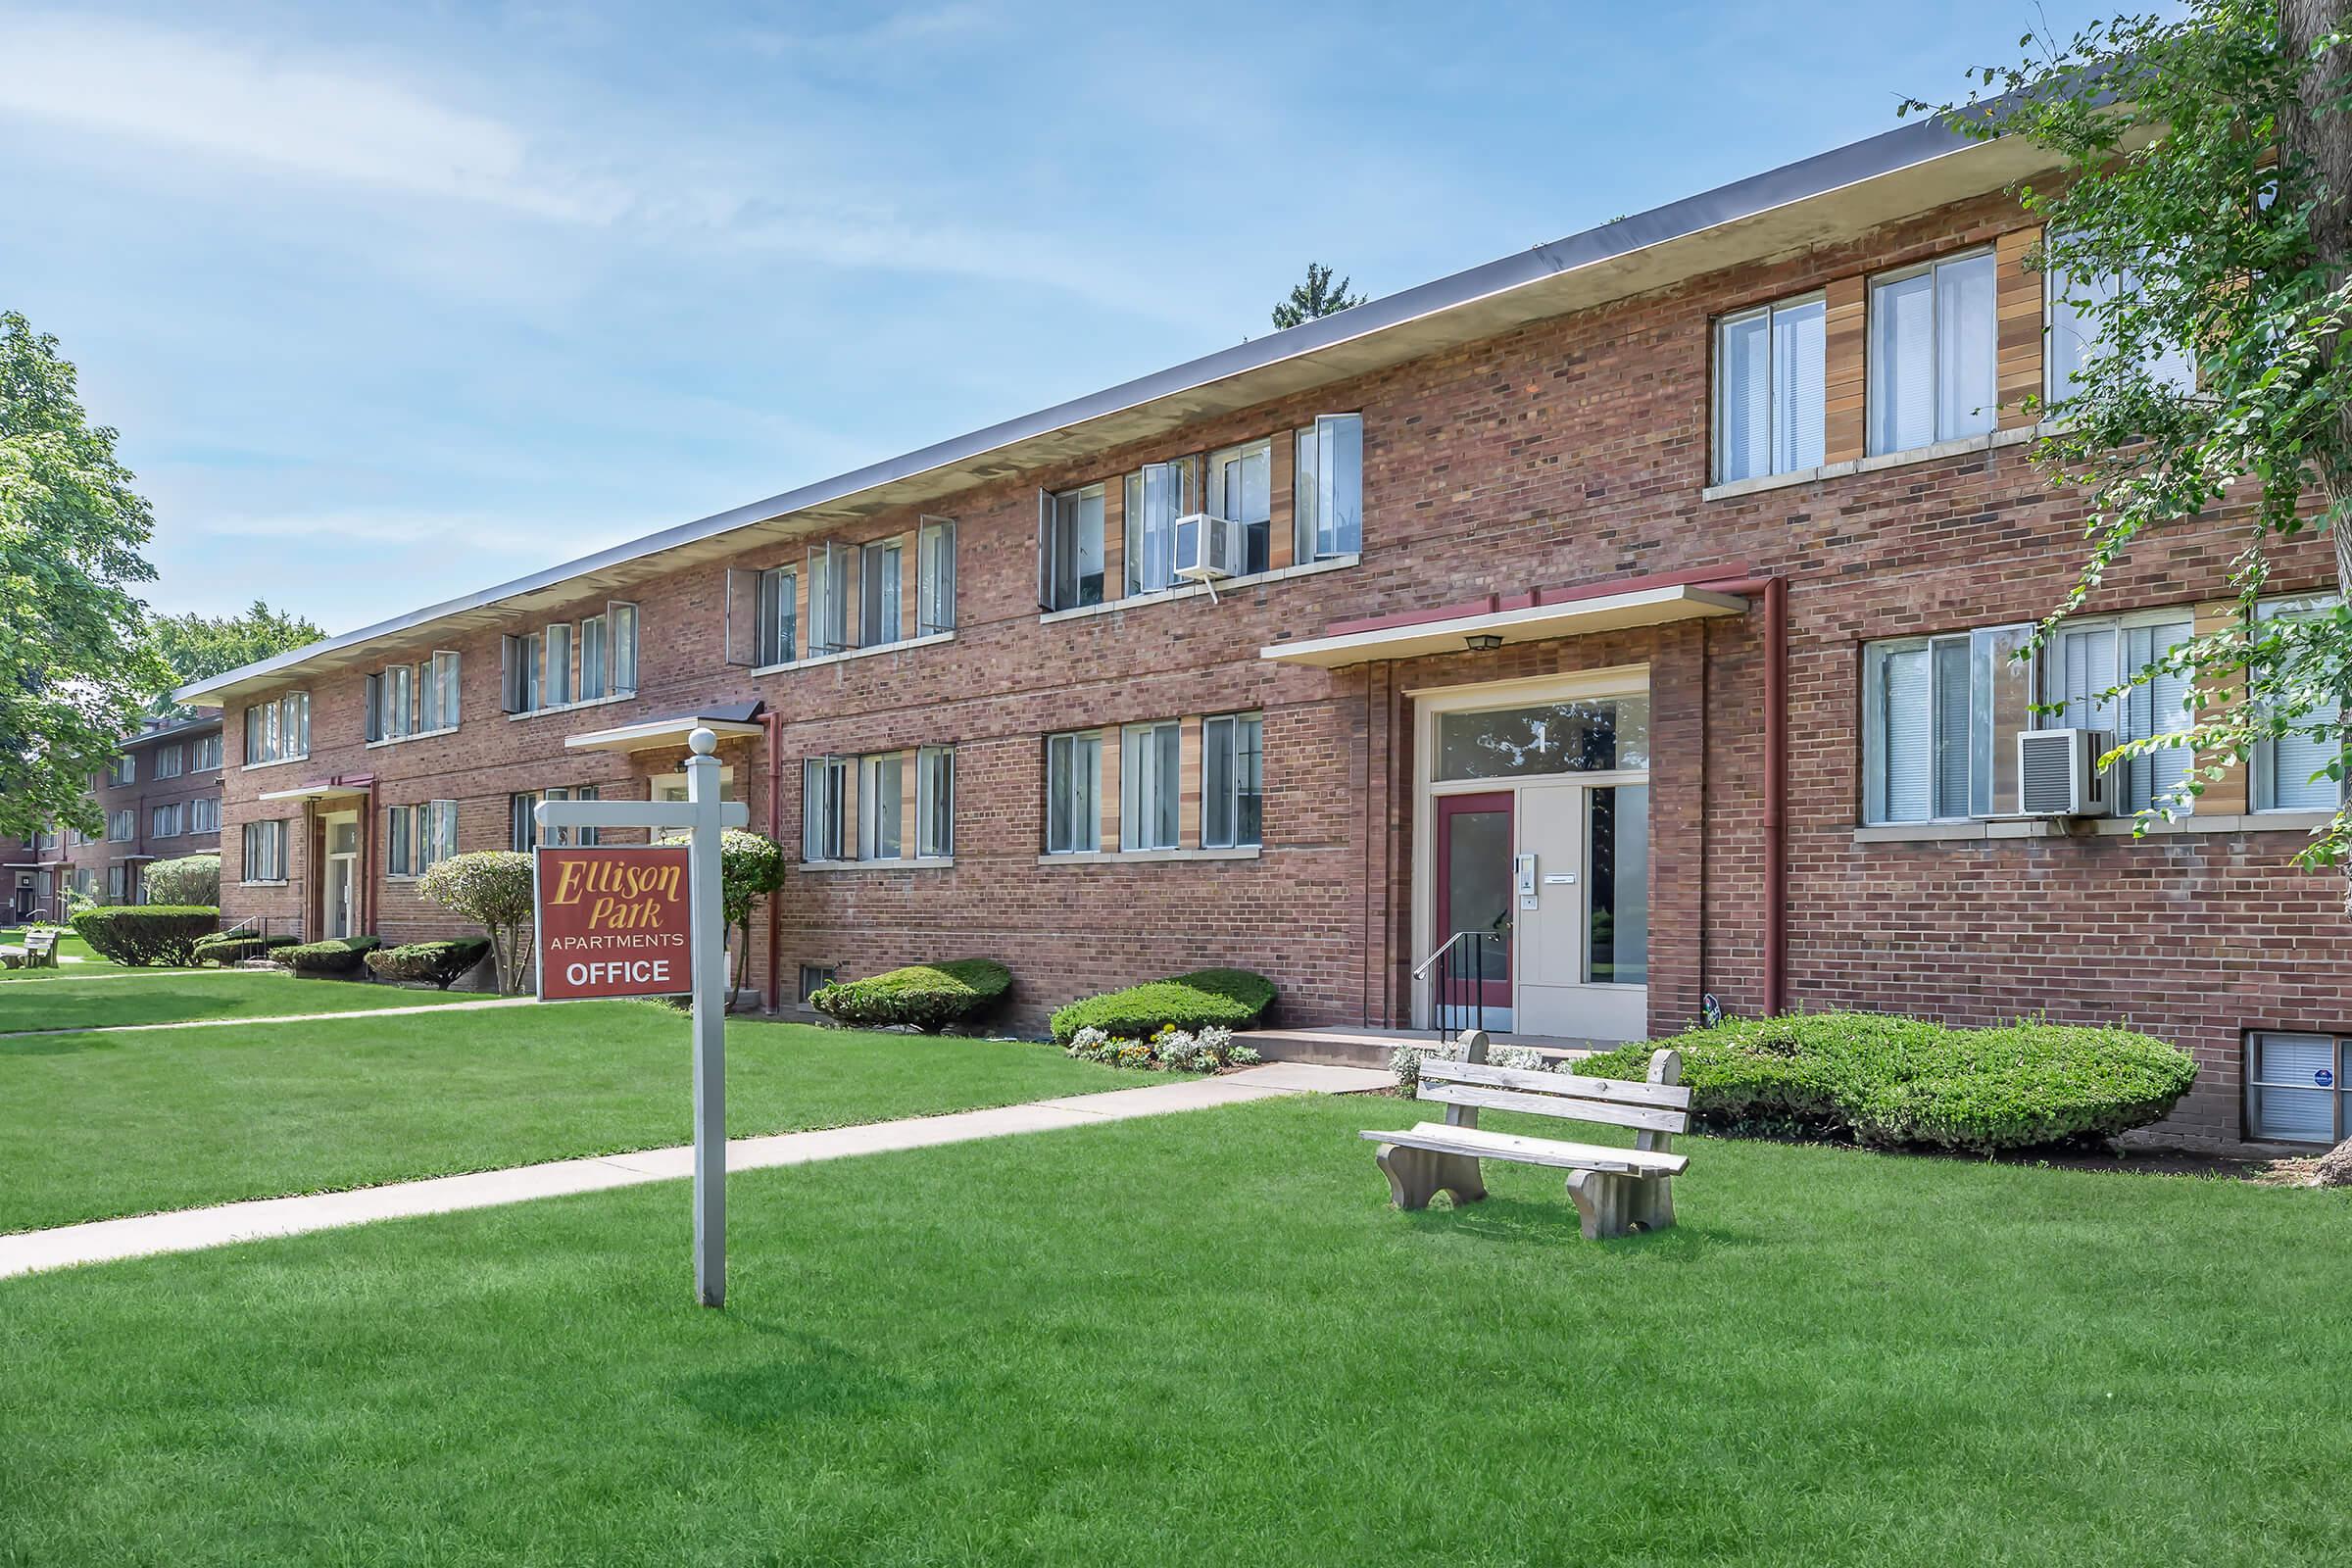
1327 487
163 821
123 770
1232 780
1151 786
779 615
1074 793
167 762
278 730
935 576
880 578
829 628
122 826
1933 341
437 692
1069 545
204 815
207 753
1158 494
1769 390
1240 489
2078 308
553 668
266 851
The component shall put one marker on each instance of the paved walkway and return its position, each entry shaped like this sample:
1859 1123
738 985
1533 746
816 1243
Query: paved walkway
280 1017
193 1229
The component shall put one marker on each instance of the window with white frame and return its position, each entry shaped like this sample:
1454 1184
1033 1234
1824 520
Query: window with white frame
1069 537
1770 392
391 703
122 826
881 806
530 660
123 770
265 849
596 657
935 576
204 815
167 762
1240 489
2092 674
163 821
279 730
437 692
934 801
779 634
522 822
1151 786
2295 1087
1232 780
828 599
419 837
557 644
1074 793
621 645
118 883
825 783
1327 487
2293 773
672 786
1933 343
2078 308
538 669
1158 494
880 578
208 753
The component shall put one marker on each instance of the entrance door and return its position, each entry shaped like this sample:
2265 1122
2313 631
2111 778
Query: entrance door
341 890
1474 892
1584 929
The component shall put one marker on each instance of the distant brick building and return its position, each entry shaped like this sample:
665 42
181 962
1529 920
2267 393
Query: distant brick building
158 800
1641 603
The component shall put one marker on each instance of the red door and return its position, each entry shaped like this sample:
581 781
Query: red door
1474 890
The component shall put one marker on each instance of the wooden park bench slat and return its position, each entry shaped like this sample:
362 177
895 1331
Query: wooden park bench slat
1615 1190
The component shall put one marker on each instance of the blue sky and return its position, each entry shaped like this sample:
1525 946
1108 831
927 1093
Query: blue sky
392 302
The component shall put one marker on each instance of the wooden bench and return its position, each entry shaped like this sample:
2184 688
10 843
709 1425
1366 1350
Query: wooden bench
39 951
1616 1191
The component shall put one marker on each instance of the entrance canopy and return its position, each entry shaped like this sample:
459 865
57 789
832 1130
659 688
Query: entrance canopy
1571 615
661 734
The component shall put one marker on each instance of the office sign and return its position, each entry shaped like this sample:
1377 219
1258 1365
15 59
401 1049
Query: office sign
615 922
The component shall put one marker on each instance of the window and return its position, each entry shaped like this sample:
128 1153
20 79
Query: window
1232 780
934 801
1769 397
879 583
880 806
935 577
1327 487
531 649
1616 885
595 658
558 643
828 599
207 753
2087 661
1158 494
814 977
204 815
620 633
1149 786
1240 489
419 837
437 692
168 760
118 883
1940 717
123 770
537 667
522 826
266 851
672 786
1070 547
824 806
1588 735
163 821
278 729
779 617
1073 793
2078 312
122 826
1932 353
391 702
2295 1088
2290 772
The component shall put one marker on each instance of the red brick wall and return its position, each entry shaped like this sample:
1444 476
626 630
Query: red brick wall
1570 451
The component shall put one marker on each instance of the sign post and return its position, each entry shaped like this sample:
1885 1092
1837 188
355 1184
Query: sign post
615 922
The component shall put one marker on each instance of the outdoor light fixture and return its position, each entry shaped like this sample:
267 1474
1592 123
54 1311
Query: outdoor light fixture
1483 642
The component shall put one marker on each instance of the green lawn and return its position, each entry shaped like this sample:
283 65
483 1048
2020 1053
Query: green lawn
175 996
1205 1338
95 1125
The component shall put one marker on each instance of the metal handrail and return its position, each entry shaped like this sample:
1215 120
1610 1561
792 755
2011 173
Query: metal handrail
1431 962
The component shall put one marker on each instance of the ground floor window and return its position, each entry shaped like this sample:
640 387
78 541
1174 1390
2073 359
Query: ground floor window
824 806
1151 774
1073 793
1232 780
118 883
814 977
522 825
266 851
419 837
2295 1087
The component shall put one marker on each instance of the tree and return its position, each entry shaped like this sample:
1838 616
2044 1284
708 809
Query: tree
192 879
75 670
2209 162
495 888
193 646
1316 298
751 868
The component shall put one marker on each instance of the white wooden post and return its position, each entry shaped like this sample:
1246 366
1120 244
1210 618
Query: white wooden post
709 1023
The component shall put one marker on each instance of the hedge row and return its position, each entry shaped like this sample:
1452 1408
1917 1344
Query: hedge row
337 955
922 995
441 963
1221 998
141 934
1890 1082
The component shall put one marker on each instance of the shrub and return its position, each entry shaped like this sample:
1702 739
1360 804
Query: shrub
192 879
925 995
1229 999
441 963
494 888
141 934
337 955
1892 1082
226 947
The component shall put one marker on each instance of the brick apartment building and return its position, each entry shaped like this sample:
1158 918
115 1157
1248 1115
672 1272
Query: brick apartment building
159 800
1643 595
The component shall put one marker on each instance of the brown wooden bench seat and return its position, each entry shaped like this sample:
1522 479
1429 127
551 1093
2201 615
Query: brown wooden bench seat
1615 1190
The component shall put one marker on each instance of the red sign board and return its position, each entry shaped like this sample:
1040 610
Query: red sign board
615 922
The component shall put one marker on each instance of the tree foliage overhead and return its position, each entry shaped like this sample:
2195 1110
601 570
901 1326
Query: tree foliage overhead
1317 297
75 669
193 646
2209 156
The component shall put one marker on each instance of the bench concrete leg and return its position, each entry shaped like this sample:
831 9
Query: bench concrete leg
1416 1175
1613 1204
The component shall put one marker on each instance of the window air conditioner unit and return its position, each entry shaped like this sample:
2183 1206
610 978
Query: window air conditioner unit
1208 548
2058 773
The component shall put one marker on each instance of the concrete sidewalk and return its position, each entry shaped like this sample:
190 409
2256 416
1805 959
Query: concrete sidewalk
284 1017
193 1229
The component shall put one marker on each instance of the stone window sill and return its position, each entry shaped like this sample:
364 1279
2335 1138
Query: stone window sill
281 762
2088 828
927 640
1194 590
281 882
1246 852
1992 441
566 708
417 735
912 862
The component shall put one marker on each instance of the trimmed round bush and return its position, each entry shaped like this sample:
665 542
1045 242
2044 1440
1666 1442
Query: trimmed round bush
141 934
440 965
1222 998
337 955
1907 1082
922 996
227 948
192 879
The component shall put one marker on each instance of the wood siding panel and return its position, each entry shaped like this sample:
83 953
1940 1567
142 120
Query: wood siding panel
1845 379
2019 308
